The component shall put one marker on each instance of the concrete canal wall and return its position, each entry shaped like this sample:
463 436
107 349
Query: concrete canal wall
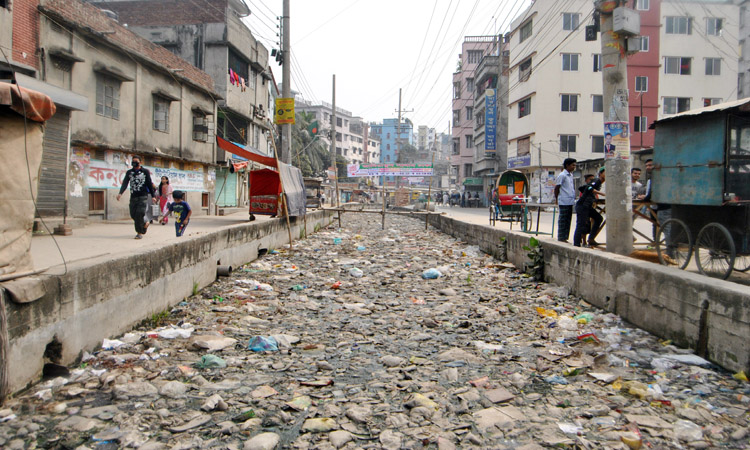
106 297
707 315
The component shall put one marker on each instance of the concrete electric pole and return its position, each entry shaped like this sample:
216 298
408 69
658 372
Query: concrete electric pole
286 82
616 121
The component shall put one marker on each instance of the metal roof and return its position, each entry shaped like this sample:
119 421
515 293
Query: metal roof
708 109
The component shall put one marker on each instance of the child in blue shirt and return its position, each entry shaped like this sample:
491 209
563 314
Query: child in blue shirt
181 211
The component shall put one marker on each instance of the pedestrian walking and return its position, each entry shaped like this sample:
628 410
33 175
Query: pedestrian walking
164 194
565 197
463 200
182 212
141 186
446 199
585 211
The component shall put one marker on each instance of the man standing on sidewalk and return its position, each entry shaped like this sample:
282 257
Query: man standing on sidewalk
565 196
141 186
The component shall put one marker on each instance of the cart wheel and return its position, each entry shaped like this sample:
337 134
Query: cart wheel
742 263
526 220
680 246
714 251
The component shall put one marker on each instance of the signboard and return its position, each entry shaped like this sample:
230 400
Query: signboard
284 113
398 170
519 161
472 182
105 175
616 140
490 121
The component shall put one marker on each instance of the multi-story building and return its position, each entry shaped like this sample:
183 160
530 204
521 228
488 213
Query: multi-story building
142 100
426 139
688 59
491 105
391 136
743 74
210 35
472 51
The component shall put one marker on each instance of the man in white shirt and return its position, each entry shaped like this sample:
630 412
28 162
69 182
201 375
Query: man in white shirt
565 196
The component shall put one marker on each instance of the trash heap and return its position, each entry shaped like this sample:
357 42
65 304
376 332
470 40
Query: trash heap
363 338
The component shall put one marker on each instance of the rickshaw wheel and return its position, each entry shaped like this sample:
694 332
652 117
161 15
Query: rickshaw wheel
742 263
679 250
714 251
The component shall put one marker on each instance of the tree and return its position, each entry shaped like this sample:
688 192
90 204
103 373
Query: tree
407 154
309 152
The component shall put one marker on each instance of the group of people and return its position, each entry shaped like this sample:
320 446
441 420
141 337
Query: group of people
142 188
463 200
588 219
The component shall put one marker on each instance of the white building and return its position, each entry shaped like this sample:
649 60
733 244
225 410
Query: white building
555 80
349 135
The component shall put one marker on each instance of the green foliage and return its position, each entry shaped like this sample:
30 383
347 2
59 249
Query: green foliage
195 288
535 266
310 154
317 227
407 154
157 319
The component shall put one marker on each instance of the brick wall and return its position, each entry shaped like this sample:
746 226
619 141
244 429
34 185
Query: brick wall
26 32
167 12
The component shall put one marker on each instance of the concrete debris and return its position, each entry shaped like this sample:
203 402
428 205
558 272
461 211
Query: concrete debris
344 343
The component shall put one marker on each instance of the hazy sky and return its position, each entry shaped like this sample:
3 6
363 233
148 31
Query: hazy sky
376 47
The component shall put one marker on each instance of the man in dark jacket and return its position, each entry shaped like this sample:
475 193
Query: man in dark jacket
139 179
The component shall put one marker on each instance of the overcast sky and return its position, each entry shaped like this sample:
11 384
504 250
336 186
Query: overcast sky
376 47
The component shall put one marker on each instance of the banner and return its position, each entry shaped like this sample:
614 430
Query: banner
490 121
616 140
519 161
388 170
284 113
103 175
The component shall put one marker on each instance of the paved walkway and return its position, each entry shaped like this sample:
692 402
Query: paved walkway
109 239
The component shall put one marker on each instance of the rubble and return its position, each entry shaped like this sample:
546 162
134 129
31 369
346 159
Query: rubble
300 350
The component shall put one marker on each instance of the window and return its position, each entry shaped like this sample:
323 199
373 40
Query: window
570 21
205 199
597 144
96 201
597 62
251 81
713 26
674 105
161 114
568 143
524 70
4 3
456 117
523 147
570 62
238 64
642 5
640 124
524 107
469 141
645 43
473 56
677 65
641 84
456 146
740 84
107 97
525 31
456 89
598 103
469 113
569 102
711 101
470 84
679 25
339 122
713 66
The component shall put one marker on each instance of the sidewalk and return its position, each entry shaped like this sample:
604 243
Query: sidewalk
108 239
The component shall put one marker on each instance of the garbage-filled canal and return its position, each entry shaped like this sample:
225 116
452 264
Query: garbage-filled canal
364 338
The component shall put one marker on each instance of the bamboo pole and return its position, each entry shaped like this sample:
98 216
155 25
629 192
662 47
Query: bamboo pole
283 192
384 195
429 192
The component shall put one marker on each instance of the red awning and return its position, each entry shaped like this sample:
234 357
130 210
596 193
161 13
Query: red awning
239 151
35 105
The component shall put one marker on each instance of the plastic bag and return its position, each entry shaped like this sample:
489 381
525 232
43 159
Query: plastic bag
263 344
431 274
211 362
356 273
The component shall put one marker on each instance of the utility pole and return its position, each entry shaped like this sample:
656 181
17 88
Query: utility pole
286 82
616 128
398 133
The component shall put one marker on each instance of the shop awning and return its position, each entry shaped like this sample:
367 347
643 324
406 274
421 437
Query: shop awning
239 151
